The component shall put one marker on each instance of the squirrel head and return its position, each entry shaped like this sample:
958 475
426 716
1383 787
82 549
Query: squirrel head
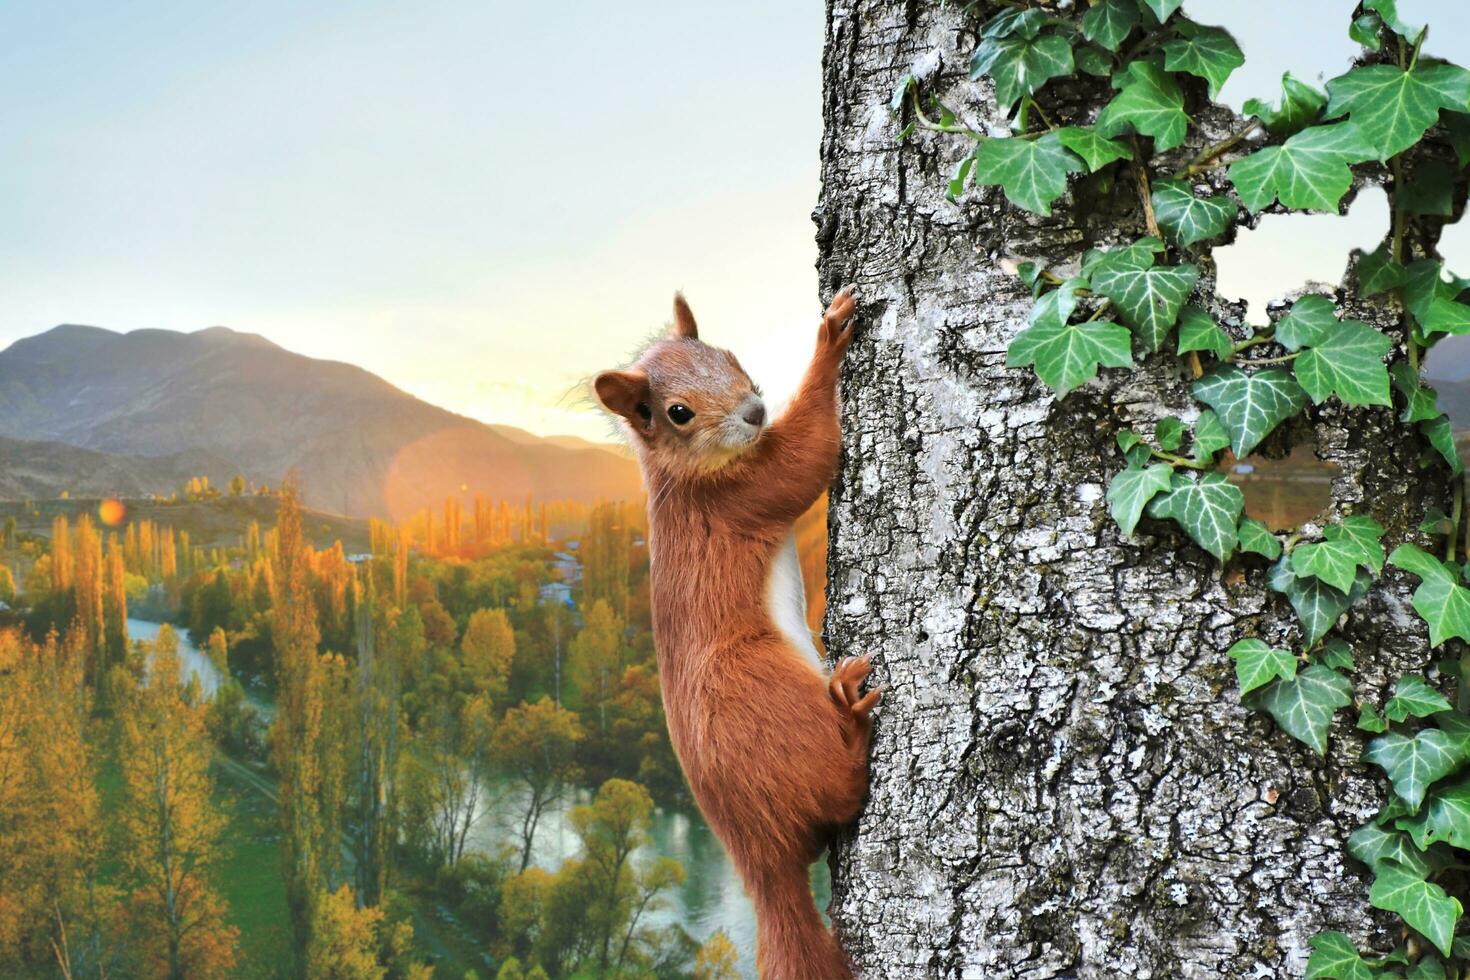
689 407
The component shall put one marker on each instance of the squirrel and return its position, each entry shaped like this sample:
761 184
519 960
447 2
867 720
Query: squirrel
775 750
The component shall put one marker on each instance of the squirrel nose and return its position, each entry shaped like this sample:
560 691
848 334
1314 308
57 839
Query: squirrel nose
756 414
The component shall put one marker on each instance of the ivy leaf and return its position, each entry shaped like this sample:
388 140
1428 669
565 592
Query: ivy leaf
1056 305
1423 284
1457 128
1337 654
1318 605
1257 538
1440 598
1412 695
1188 219
1445 818
1150 102
1334 562
1092 60
1026 23
1169 433
1373 845
1309 321
1134 487
1163 8
1395 107
1208 509
1428 190
1445 316
1198 331
1388 11
1206 52
1365 30
1067 354
1308 172
1096 151
1348 363
1369 720
1335 958
1413 762
1257 664
1442 437
1033 173
1209 436
1109 22
1425 968
960 177
1364 532
1251 405
1299 107
1421 403
1148 298
1139 255
1304 705
1423 905
1436 521
1378 273
1019 65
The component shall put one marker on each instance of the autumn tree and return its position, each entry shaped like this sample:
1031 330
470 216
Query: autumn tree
168 829
535 746
596 660
488 649
372 828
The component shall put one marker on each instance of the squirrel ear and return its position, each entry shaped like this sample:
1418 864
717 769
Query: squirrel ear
684 325
625 393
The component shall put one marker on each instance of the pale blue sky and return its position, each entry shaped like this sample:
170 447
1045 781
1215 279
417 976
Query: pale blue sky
482 202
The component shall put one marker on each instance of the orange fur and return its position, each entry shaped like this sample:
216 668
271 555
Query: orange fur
775 752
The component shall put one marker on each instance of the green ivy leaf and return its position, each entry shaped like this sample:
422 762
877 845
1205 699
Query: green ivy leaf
1308 172
1249 405
1413 762
1441 436
1445 818
1109 22
1378 273
1209 437
1318 605
1096 151
1395 107
1092 60
1423 905
1149 299
1134 487
1425 968
1257 664
1369 720
1337 654
1257 538
1457 128
1412 695
1150 102
1421 403
1169 433
1188 219
1067 354
1309 321
960 177
1428 190
1163 8
1388 11
1440 598
1348 362
1304 705
1423 284
1445 316
1056 305
1436 521
1139 255
1334 562
1208 509
1198 331
1298 108
1373 844
1365 533
1033 173
1365 29
1205 52
1020 66
1334 958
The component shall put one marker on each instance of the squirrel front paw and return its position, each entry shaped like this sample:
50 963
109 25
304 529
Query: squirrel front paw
844 686
836 331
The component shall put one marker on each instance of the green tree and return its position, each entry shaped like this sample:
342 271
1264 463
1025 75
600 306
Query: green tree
7 586
535 744
489 648
596 660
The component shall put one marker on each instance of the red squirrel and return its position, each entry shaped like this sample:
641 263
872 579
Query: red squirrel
775 751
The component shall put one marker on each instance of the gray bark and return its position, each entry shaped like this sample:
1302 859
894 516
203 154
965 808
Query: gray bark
1063 780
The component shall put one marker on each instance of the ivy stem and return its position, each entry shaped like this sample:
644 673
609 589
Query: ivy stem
1277 360
928 123
1258 339
1102 308
1194 364
1042 113
1453 538
1145 194
1213 152
1466 552
1291 542
1418 44
1178 460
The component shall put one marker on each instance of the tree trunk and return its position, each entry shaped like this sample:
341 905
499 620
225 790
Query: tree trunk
1064 782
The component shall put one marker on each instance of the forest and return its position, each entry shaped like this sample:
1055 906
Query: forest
472 669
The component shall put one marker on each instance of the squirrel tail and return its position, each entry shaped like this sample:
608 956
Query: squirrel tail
791 941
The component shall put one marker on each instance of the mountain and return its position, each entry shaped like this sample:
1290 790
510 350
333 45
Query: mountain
43 469
359 445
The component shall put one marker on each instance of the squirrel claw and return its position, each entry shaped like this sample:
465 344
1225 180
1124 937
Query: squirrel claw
836 322
845 684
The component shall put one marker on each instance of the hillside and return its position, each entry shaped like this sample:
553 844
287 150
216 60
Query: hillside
44 469
359 445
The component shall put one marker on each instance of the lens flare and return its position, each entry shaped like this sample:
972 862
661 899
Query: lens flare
112 512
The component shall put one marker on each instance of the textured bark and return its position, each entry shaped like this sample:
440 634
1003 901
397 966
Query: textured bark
1063 780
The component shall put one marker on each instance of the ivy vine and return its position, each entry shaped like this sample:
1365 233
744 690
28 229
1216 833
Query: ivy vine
1397 115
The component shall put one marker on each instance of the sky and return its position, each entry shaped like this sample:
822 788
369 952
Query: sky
485 203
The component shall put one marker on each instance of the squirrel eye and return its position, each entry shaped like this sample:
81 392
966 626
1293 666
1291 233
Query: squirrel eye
680 413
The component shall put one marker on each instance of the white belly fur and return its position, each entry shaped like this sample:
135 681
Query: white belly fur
786 601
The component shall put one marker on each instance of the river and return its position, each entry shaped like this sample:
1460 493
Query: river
711 897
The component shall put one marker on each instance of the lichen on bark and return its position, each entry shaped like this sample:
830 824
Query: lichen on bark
1064 782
